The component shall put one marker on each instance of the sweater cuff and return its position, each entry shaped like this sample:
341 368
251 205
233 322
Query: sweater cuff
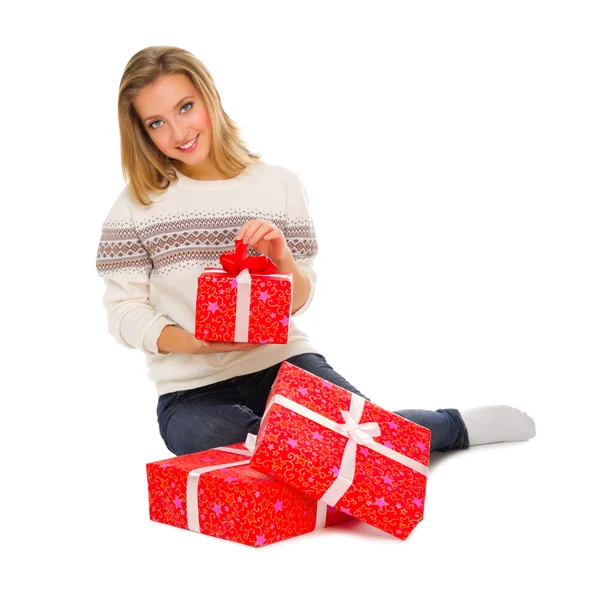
150 341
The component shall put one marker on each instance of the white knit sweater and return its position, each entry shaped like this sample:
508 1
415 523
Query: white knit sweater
150 258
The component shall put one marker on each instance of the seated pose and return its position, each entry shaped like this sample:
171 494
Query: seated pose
194 189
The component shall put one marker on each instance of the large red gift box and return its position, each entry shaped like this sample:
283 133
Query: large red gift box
216 492
245 301
346 451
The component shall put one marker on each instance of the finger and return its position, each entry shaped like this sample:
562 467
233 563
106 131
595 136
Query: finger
252 227
242 230
273 234
260 232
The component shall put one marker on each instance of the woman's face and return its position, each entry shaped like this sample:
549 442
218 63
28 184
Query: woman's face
173 113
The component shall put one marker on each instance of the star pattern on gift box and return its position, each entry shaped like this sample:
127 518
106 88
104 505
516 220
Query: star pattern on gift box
252 508
269 308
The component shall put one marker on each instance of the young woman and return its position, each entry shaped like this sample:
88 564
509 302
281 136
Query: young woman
194 188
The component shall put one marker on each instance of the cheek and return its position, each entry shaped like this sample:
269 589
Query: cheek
204 120
162 143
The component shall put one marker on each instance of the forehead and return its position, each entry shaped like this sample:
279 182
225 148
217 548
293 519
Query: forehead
160 96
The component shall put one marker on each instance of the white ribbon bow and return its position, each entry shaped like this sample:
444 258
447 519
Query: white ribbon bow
361 433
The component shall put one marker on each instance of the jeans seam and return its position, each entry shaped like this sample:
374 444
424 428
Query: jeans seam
242 395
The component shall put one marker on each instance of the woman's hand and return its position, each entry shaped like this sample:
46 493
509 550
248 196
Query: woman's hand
264 237
211 347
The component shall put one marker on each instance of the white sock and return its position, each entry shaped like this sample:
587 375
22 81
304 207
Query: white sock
495 424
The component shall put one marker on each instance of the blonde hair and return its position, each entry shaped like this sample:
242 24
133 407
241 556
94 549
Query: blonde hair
142 162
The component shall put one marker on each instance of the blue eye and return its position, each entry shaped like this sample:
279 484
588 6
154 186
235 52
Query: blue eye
189 103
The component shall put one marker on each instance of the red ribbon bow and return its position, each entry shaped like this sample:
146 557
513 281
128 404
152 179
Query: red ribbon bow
235 261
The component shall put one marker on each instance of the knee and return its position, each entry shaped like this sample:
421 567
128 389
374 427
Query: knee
318 365
189 434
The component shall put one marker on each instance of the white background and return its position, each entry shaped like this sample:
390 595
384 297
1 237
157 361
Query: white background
450 152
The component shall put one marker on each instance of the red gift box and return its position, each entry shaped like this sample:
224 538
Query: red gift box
346 451
245 301
216 492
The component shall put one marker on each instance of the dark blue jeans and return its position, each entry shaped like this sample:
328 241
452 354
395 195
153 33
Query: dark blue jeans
225 412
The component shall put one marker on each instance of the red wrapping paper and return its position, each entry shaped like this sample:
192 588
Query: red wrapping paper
270 301
233 503
307 456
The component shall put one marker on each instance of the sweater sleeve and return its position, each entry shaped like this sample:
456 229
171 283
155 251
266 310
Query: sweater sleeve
300 234
125 265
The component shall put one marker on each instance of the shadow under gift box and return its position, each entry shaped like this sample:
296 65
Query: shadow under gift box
246 301
215 492
306 441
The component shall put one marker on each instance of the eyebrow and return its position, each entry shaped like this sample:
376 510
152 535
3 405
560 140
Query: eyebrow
176 105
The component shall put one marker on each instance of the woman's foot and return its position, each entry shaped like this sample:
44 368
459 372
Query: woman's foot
496 424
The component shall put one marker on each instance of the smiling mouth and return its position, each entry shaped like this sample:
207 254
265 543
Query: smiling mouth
188 143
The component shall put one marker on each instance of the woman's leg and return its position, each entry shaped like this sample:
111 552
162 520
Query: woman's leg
450 428
447 428
224 413
255 387
198 419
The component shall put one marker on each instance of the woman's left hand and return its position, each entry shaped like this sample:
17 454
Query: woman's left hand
264 237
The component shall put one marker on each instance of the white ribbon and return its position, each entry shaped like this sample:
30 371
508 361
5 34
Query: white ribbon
193 517
250 443
242 308
357 434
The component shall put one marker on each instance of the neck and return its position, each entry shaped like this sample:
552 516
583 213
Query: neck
200 171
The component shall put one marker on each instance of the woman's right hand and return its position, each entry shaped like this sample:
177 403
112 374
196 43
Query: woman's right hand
211 347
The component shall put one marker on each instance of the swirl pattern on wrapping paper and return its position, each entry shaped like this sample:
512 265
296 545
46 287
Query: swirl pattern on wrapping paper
270 303
236 503
305 455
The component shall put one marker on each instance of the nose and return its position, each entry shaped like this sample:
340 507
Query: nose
179 134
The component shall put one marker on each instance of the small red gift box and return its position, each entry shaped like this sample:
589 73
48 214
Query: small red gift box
346 451
216 492
245 301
